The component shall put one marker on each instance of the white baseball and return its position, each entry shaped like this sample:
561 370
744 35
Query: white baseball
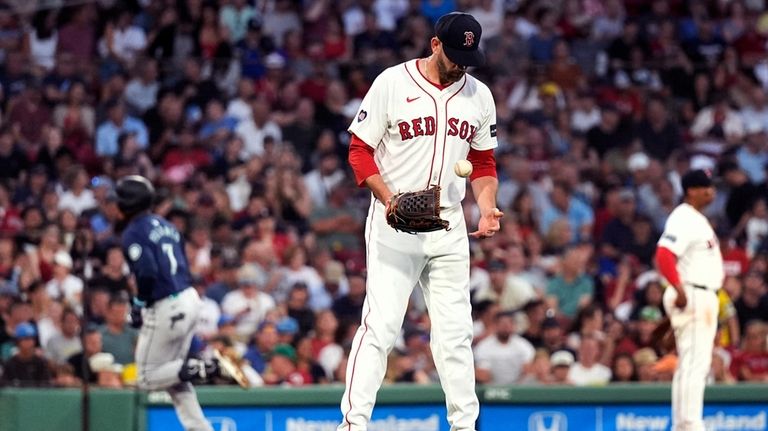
463 168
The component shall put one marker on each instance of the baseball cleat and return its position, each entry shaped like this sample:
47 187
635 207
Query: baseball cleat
231 369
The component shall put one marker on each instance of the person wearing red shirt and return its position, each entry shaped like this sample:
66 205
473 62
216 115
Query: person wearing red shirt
751 362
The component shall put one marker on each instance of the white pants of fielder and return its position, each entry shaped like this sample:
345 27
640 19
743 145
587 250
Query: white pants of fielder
695 327
162 350
397 262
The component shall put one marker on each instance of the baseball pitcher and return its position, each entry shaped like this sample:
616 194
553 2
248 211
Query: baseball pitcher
417 121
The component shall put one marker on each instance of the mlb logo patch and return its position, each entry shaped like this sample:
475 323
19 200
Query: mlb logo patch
361 116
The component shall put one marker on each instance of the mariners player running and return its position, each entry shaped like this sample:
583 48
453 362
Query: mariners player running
417 120
166 303
688 256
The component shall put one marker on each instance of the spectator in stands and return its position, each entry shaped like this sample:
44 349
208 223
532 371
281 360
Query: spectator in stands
298 308
122 41
247 304
499 289
540 370
563 204
502 359
18 312
78 197
27 116
255 129
587 371
645 360
589 322
63 284
750 363
617 234
753 154
64 376
752 304
349 307
572 289
67 342
118 337
641 334
623 369
336 225
141 92
306 364
721 373
107 370
282 368
263 344
562 361
111 275
12 159
296 270
287 328
325 332
552 335
118 122
535 315
401 368
226 337
26 367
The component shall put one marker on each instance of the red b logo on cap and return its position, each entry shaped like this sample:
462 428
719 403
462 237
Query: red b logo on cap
469 38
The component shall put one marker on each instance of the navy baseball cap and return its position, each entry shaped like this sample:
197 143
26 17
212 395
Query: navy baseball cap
460 34
696 178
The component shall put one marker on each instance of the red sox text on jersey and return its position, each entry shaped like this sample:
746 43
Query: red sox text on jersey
425 126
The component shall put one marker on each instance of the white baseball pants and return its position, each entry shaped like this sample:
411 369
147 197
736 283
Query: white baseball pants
695 328
397 262
162 349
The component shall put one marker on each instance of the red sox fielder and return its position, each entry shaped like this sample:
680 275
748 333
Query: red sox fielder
418 119
688 256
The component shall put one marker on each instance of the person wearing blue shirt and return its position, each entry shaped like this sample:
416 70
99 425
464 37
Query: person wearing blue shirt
752 156
562 204
118 122
216 120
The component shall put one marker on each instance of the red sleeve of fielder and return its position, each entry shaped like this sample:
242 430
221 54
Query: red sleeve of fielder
361 160
483 163
666 261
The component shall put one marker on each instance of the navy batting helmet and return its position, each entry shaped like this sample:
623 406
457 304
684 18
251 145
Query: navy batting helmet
134 194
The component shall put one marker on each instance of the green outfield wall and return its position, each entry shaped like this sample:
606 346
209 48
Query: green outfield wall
315 408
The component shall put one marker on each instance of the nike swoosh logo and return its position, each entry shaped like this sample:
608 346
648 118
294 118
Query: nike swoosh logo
409 99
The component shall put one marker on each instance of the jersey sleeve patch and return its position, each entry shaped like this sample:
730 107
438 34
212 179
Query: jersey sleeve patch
493 130
134 252
362 115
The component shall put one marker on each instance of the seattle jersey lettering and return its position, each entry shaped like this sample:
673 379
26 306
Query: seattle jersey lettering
160 232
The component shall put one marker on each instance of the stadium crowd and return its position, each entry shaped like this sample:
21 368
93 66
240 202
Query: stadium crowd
238 110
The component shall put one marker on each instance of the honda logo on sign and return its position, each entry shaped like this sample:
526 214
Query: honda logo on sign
222 423
547 421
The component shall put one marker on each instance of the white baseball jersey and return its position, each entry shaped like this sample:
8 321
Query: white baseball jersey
690 237
419 131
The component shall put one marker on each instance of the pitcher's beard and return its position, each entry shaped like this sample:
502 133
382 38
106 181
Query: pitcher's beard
446 76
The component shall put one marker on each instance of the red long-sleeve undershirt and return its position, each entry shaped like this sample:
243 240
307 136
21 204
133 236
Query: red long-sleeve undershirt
666 261
363 164
361 160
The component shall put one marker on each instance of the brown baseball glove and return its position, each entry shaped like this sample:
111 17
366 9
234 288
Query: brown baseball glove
415 212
